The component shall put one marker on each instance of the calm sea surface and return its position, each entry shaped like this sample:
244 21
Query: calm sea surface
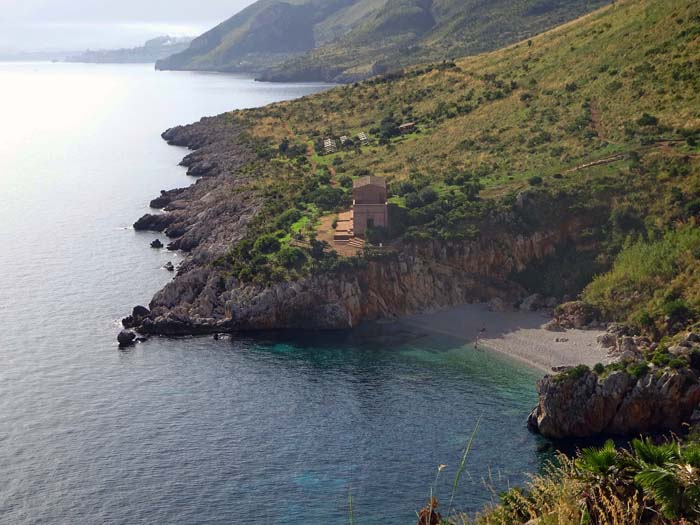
275 429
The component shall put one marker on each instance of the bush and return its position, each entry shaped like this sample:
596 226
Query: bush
574 373
287 218
345 181
329 198
427 195
267 244
661 358
678 363
599 368
639 369
377 234
403 188
413 201
291 257
677 311
536 180
647 120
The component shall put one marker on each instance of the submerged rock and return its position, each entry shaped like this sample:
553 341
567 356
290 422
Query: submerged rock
169 266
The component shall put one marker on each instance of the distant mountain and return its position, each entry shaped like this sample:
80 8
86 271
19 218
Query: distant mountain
152 51
347 40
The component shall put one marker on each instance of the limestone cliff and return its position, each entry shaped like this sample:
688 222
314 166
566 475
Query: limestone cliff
629 397
618 404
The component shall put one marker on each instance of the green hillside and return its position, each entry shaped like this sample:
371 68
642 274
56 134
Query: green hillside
341 40
599 117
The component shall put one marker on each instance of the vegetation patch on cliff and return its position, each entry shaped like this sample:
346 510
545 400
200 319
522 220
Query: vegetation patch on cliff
647 484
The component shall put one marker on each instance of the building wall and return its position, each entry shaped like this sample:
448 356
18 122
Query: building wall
363 213
369 195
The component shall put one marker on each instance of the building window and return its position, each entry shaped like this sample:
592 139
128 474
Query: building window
370 223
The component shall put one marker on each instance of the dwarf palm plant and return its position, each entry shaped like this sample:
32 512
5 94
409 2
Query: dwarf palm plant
669 475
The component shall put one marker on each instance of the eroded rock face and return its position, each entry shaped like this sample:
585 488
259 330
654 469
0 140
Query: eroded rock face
419 277
575 314
583 404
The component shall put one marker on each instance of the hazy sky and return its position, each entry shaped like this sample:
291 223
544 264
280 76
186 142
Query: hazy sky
78 24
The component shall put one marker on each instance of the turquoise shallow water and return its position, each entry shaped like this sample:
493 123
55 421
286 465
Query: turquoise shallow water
274 428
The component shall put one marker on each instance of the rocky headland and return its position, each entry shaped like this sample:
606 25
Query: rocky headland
207 218
648 387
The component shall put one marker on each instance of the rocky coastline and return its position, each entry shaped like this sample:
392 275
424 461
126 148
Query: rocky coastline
205 219
647 388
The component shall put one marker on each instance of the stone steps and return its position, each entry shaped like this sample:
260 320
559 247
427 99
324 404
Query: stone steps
356 243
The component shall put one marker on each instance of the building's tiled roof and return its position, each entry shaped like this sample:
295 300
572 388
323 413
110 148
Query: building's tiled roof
370 180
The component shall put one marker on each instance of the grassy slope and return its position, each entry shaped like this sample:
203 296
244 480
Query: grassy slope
541 108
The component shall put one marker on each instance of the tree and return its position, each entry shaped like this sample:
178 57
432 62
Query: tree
267 244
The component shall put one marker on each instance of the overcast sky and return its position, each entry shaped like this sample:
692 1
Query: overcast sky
78 24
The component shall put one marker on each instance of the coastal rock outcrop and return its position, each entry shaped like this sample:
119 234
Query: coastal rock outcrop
575 314
154 223
138 314
578 403
165 198
646 389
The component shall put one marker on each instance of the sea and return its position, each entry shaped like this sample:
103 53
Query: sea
288 428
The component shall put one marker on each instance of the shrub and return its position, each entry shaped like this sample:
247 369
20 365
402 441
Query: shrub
413 201
328 198
599 368
377 234
291 257
287 218
647 120
535 180
661 358
677 311
638 369
345 181
574 373
427 195
267 244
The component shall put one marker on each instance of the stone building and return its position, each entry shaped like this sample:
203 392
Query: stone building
369 207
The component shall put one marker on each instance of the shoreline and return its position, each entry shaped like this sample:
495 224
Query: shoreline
519 335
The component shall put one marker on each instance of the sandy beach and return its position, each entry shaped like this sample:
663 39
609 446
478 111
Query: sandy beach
518 334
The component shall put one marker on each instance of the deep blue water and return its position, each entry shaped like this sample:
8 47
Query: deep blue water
268 429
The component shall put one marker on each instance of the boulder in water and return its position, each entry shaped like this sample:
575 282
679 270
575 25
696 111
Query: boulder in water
157 244
126 338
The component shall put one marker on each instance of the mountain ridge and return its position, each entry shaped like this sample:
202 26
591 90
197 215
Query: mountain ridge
349 40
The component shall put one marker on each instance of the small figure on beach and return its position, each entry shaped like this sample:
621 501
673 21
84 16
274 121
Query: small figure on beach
481 334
